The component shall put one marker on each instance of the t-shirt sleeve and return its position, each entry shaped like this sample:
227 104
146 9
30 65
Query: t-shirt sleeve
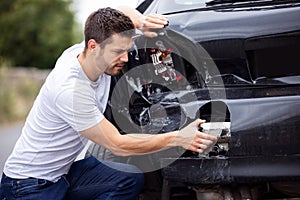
77 106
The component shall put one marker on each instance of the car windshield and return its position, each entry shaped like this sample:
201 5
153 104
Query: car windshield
174 6
167 6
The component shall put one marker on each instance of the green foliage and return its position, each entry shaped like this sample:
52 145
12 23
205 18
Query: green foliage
18 89
7 98
35 32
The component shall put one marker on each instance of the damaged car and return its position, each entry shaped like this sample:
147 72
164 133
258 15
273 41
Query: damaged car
234 63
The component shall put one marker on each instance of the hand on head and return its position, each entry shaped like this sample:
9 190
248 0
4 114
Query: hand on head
152 21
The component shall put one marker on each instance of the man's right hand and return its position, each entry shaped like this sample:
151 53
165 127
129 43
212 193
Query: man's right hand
192 139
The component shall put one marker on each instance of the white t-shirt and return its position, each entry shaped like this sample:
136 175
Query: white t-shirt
67 104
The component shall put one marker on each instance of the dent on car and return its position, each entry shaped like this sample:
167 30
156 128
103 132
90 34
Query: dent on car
239 65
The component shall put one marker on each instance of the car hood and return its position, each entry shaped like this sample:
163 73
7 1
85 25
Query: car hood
227 24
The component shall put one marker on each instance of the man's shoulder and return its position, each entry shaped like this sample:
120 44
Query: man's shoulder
70 54
67 68
75 49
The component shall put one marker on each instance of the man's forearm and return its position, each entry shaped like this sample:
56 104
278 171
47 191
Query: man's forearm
136 17
139 144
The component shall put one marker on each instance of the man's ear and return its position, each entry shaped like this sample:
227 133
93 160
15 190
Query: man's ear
92 44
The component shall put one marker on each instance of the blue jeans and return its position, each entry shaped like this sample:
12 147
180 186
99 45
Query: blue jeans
87 179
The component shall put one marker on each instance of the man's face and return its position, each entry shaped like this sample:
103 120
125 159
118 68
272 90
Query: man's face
115 54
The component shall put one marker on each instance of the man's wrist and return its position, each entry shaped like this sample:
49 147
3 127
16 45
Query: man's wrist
174 139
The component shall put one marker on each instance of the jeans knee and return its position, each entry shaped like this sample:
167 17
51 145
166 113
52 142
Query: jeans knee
140 180
139 177
136 184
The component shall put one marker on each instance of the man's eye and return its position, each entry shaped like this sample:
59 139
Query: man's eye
119 52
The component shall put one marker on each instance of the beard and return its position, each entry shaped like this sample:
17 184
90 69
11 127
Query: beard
115 69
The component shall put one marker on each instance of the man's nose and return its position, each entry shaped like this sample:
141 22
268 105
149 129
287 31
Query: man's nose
124 57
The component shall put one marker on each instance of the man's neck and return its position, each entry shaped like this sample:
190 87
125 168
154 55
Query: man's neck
87 67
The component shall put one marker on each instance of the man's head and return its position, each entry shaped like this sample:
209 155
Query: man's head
105 22
108 38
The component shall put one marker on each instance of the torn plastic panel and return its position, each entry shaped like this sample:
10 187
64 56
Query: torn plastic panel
260 125
153 104
156 106
156 94
252 117
157 66
255 49
169 53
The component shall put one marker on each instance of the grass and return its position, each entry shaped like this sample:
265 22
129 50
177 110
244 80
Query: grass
18 90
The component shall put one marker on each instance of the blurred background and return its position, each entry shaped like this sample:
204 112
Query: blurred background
33 34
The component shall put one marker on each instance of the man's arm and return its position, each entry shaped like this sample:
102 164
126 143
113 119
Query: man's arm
144 23
107 135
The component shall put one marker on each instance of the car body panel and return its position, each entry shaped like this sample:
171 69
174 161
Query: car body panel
241 65
254 44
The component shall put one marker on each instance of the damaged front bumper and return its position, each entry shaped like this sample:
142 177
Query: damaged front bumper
225 170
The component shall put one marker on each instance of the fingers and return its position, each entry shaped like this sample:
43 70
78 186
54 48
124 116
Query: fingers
155 21
204 142
198 122
207 136
201 142
152 21
150 34
191 138
200 146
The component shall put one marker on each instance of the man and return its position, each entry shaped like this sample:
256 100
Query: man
68 112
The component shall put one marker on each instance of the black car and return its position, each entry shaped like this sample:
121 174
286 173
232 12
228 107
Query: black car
234 63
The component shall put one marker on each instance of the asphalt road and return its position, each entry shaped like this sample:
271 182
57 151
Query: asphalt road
8 137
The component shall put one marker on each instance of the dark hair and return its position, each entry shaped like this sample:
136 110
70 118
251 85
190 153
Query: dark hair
105 22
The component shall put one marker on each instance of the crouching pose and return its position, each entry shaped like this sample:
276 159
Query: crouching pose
69 111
